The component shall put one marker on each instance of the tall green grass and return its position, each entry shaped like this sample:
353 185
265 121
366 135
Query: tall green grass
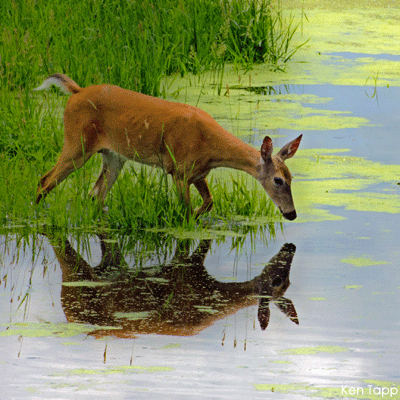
135 43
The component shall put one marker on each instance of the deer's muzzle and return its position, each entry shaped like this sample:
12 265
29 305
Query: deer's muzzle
290 215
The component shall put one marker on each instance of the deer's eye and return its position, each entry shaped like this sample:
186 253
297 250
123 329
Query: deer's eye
278 181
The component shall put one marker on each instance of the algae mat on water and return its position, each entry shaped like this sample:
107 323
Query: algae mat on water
350 43
60 330
260 103
343 181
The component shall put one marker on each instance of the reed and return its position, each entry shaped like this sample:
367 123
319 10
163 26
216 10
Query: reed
136 43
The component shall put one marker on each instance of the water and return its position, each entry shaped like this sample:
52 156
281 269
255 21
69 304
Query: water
347 332
193 328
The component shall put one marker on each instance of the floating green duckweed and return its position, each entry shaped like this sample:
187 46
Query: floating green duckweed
281 362
362 261
62 330
171 346
132 316
206 309
200 235
85 284
285 388
314 350
154 279
245 110
326 179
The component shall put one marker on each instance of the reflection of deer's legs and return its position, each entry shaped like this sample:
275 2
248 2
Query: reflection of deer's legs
112 166
200 253
202 187
111 256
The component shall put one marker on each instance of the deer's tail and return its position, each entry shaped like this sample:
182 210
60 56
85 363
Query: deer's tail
66 84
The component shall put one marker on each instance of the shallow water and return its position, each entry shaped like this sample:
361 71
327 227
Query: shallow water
193 327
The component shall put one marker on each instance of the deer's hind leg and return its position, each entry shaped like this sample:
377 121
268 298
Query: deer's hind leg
112 166
183 191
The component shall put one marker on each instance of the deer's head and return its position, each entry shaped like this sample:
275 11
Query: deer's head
275 176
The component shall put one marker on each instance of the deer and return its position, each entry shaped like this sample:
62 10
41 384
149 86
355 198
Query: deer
183 140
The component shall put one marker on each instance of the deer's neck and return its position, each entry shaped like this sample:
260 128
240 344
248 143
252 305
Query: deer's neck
237 155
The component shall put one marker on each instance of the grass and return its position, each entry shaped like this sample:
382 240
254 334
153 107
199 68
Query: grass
136 43
133 44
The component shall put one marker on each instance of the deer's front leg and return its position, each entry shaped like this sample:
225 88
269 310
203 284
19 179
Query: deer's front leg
112 165
202 187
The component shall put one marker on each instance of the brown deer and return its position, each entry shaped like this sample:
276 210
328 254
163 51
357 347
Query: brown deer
178 297
183 140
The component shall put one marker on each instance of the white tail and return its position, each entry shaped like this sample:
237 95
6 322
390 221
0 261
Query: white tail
183 140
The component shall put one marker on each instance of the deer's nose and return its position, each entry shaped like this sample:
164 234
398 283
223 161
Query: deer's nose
290 215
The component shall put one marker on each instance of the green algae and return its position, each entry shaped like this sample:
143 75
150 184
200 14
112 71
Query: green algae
171 346
297 116
314 350
323 164
206 309
85 284
281 362
203 234
61 330
368 30
306 98
362 261
347 287
327 179
245 111
161 281
354 25
282 388
132 316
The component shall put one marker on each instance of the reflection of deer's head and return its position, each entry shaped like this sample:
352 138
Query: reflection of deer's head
273 283
176 298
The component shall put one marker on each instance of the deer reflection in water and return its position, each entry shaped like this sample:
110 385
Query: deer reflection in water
177 298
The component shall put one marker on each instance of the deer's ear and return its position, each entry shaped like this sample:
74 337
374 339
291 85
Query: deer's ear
266 149
289 150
